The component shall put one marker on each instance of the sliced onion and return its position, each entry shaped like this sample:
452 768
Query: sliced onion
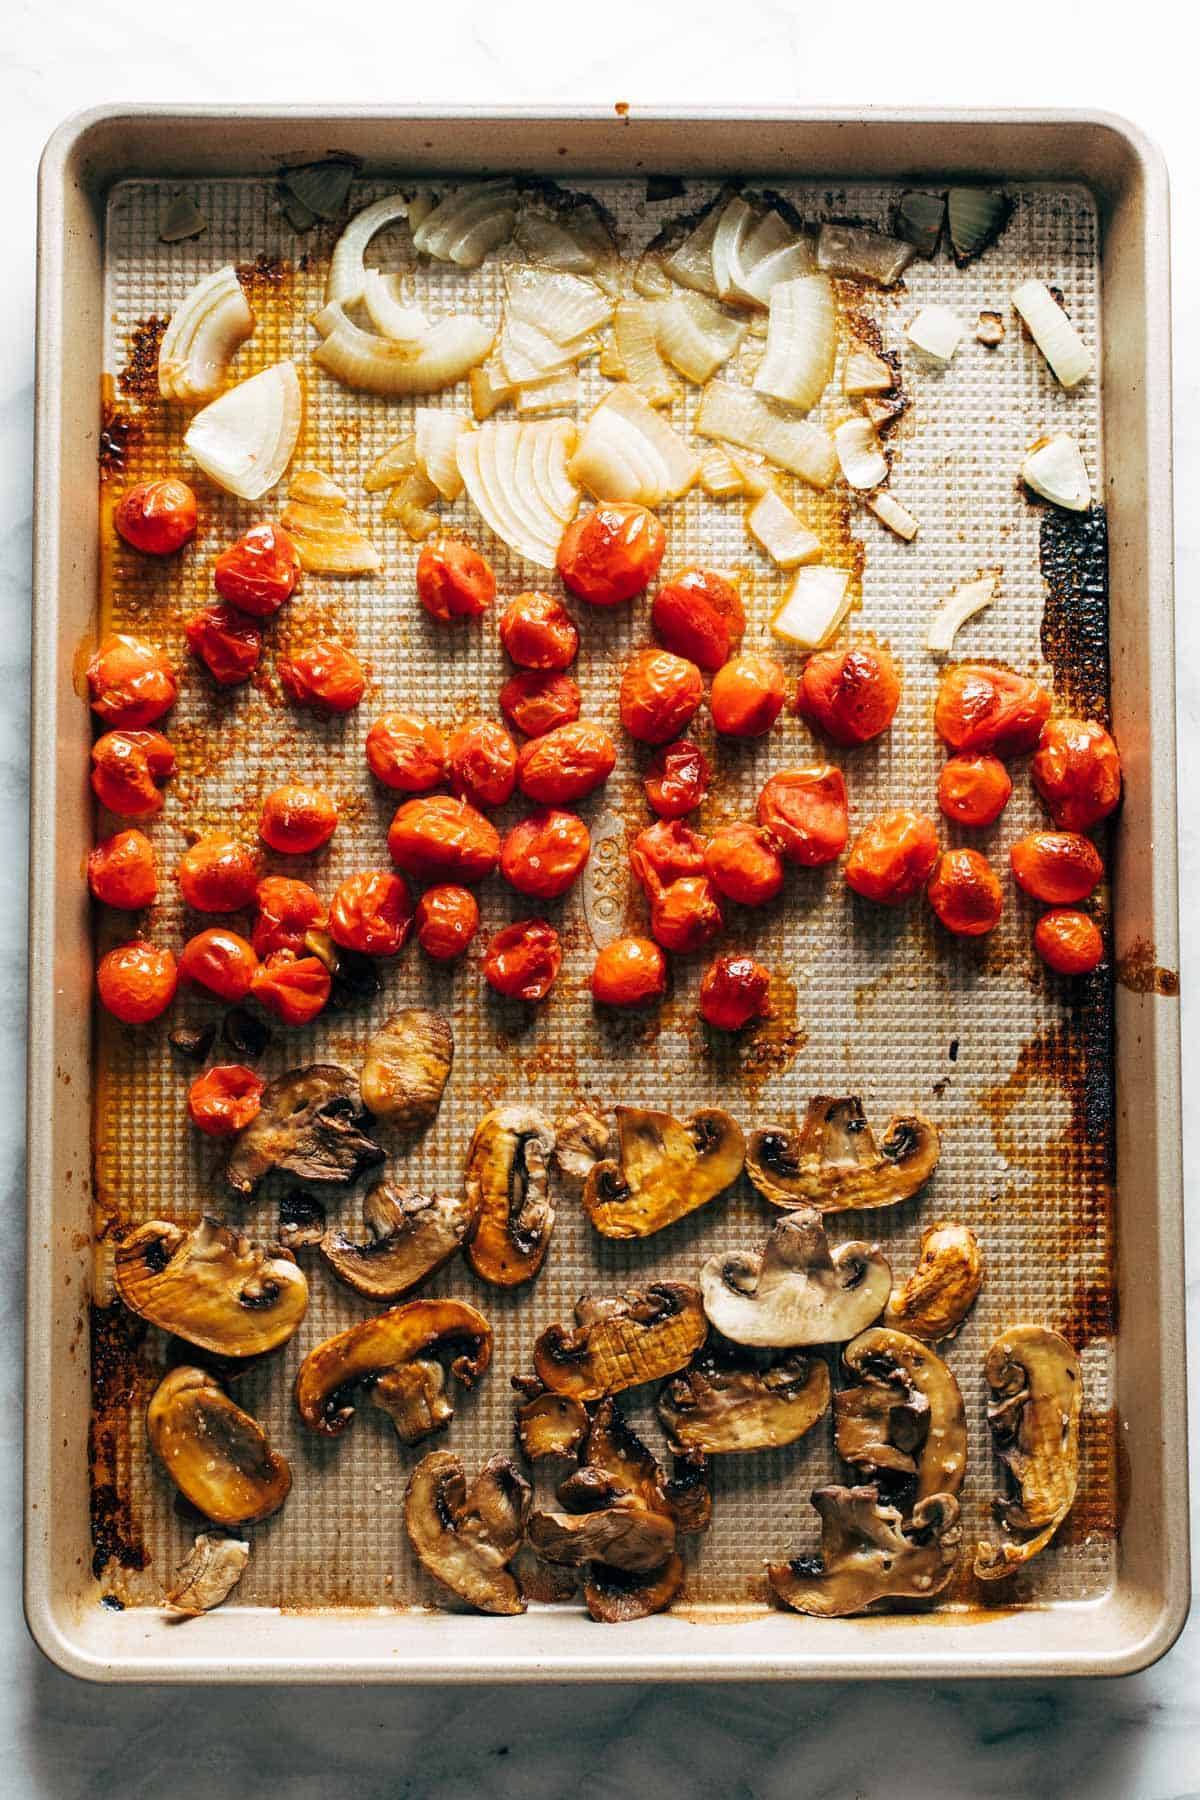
526 354
866 373
182 220
962 605
897 518
976 217
392 466
695 336
990 329
650 279
690 263
919 220
563 306
737 416
1055 469
936 332
449 349
629 452
409 502
436 438
557 393
468 223
206 329
327 540
813 607
801 342
720 477
784 537
765 237
862 254
860 453
391 318
573 236
244 440
516 474
1053 333
755 476
635 333
346 268
787 263
489 390
734 226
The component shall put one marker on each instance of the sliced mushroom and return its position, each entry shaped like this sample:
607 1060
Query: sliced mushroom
664 1169
582 1140
1036 1377
728 1399
407 1067
414 1398
411 1235
943 1287
217 1455
208 1574
312 1124
868 1556
626 1535
906 1418
795 1291
551 1425
639 1335
617 1597
834 1163
373 1348
301 1221
211 1286
508 1195
467 1539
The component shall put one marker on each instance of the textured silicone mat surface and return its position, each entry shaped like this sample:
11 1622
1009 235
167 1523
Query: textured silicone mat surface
1011 1064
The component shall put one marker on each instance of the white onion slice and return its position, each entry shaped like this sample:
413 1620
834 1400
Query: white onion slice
450 348
516 474
963 604
735 415
563 306
1055 469
244 440
866 373
525 353
813 607
695 336
1053 333
720 477
206 329
327 540
785 538
936 332
391 318
436 435
575 240
409 501
395 463
690 263
801 342
468 223
890 512
635 334
346 268
628 451
766 236
650 279
862 254
557 393
755 476
860 453
787 263
489 390
733 229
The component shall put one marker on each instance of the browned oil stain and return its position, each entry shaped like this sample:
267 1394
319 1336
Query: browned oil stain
1073 553
1074 1056
265 275
1138 971
120 1382
139 378
771 1047
1092 1311
1097 1511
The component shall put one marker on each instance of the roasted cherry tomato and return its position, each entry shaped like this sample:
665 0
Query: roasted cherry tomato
130 683
225 1099
218 875
743 864
122 872
1058 867
453 580
157 517
568 763
226 642
1077 771
748 695
677 779
294 988
892 857
698 614
659 694
442 838
850 696
629 972
372 913
128 770
482 760
807 813
287 911
447 920
733 991
980 707
220 961
965 894
259 572
406 753
974 790
537 701
545 854
296 819
664 851
538 632
686 914
523 960
1069 941
611 553
136 981
323 675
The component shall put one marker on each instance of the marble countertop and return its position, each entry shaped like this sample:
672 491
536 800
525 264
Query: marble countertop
1136 1738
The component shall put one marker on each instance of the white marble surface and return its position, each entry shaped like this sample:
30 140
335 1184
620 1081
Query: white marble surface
1138 1738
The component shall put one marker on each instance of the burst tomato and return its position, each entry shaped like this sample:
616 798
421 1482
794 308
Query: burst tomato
568 763
1058 867
849 695
447 920
629 972
297 820
136 982
545 854
686 914
406 753
130 683
226 642
442 838
523 960
453 580
1077 771
539 633
128 770
122 872
734 990
219 961
225 1099
157 517
743 864
980 707
293 988
482 760
698 614
747 696
965 893
372 913
892 857
807 813
659 694
1069 941
611 553
287 911
974 790
323 675
217 874
538 701
259 572
677 779
665 851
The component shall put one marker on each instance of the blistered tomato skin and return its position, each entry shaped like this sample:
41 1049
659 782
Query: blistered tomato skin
226 642
128 770
482 761
1068 941
1077 771
850 696
218 874
807 814
219 961
892 858
294 989
287 911
136 982
453 580
259 572
677 779
157 517
734 991
664 851
611 553
981 707
296 820
747 696
323 675
1057 867
406 753
660 693
567 764
447 920
743 864
522 961
686 914
442 838
974 790
965 893
538 632
372 913
122 873
546 853
225 1099
130 683
698 614
631 971
537 701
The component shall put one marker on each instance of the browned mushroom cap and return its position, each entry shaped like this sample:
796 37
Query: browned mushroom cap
467 1539
664 1169
371 1349
216 1454
616 1597
834 1163
582 1139
407 1067
1035 1426
907 1416
211 1286
943 1287
508 1195
551 1425
625 1535
414 1398
795 1290
207 1575
868 1556
312 1124
730 1399
636 1336
411 1236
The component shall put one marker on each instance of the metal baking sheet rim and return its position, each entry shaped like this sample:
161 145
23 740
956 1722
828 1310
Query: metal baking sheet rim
1138 1620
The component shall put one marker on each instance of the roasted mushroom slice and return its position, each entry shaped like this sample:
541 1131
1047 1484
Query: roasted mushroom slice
551 1425
731 1399
834 1163
371 1350
1036 1377
795 1291
943 1287
411 1236
868 1556
905 1419
407 1067
639 1335
414 1398
207 1575
508 1195
664 1169
301 1221
617 1597
216 1454
311 1123
625 1535
466 1539
211 1286
582 1139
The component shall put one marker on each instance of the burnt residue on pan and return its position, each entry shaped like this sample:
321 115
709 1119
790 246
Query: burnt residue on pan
1074 1057
138 380
1140 972
120 1384
1073 552
120 436
1093 1311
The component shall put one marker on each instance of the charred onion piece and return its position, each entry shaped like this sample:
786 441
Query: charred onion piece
371 1350
664 1169
216 1454
211 1286
466 1539
795 1291
551 1425
834 1163
508 1195
905 1419
636 1336
407 1067
867 1555
943 1287
729 1399
411 1235
207 1575
1036 1378
313 1124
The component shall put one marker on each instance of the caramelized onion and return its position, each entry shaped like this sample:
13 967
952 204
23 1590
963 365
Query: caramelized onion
516 474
